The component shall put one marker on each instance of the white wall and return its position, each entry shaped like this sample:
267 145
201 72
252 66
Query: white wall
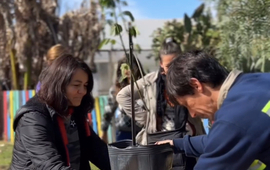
105 75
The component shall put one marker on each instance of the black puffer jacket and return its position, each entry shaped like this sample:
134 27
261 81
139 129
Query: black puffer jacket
39 144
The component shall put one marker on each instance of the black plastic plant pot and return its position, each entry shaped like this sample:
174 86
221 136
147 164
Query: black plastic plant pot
125 156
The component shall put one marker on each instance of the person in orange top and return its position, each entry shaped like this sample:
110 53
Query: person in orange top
53 53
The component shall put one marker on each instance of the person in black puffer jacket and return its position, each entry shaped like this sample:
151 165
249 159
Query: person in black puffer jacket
52 129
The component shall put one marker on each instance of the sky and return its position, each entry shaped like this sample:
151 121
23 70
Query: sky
149 9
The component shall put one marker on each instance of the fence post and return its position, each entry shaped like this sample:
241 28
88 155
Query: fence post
1 114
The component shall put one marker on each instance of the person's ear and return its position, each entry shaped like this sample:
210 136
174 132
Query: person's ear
196 84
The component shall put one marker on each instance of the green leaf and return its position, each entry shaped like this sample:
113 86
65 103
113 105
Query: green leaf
116 29
206 20
267 65
107 3
187 22
124 69
258 63
124 3
212 33
103 42
137 31
128 13
133 31
103 3
113 31
113 41
199 27
138 48
197 13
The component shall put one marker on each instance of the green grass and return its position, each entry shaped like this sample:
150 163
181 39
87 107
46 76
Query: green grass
93 167
6 154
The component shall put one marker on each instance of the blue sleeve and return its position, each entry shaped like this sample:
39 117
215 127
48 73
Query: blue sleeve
191 146
226 147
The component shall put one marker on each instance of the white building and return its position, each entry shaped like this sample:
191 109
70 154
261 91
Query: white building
107 58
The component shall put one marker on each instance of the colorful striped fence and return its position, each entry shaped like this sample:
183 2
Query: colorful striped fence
13 100
97 114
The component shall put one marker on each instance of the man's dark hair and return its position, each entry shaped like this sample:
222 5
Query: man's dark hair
169 46
55 78
195 64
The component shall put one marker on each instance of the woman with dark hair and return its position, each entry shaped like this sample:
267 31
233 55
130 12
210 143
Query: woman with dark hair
123 121
52 129
163 119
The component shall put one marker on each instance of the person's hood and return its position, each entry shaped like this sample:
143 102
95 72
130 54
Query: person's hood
227 84
32 105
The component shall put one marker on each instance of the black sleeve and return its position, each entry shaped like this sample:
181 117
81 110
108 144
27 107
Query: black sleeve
98 151
37 140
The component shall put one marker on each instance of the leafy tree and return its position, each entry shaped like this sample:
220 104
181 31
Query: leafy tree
116 16
244 31
195 32
29 28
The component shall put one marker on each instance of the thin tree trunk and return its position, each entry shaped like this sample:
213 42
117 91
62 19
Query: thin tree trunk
15 84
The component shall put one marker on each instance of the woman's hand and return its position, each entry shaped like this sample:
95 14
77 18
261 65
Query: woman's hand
164 142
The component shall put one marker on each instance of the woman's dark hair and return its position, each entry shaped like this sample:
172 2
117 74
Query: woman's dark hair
55 78
169 46
135 69
194 64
